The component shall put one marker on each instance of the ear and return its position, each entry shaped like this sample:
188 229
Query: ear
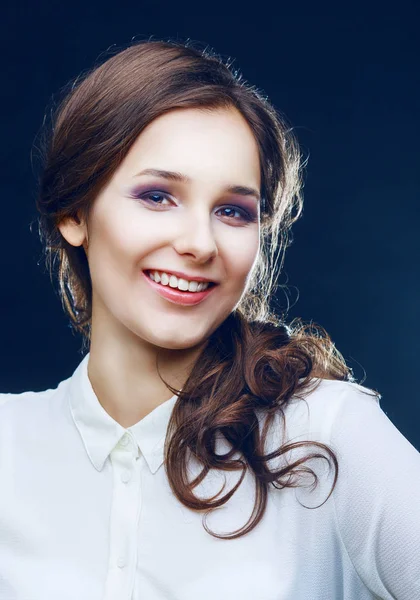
74 231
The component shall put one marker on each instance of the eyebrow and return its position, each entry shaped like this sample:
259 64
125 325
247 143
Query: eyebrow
241 190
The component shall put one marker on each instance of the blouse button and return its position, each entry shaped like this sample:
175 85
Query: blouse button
121 562
124 440
125 476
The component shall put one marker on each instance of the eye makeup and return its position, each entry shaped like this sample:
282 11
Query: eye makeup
145 193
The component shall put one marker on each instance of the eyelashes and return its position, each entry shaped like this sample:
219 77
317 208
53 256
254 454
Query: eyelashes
245 215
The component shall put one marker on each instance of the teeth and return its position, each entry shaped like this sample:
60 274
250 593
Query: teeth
181 284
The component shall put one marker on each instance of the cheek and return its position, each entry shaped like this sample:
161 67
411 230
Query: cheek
241 252
111 254
133 234
118 237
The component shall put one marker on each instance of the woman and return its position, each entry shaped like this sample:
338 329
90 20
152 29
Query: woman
166 198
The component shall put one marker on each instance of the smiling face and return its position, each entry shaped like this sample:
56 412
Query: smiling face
206 225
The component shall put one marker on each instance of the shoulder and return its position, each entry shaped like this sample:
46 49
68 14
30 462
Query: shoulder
22 405
317 409
6 397
28 422
364 438
317 414
326 392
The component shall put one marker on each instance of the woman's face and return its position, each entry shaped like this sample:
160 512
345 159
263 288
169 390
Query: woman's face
141 222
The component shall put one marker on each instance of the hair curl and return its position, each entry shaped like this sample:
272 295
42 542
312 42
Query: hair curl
253 359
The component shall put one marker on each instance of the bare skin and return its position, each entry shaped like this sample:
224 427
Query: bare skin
195 227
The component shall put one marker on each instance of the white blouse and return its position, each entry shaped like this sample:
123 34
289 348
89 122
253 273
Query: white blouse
87 513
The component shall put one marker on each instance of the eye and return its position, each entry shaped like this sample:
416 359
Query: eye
156 198
243 214
154 195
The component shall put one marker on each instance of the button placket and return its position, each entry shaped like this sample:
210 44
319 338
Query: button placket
125 476
125 511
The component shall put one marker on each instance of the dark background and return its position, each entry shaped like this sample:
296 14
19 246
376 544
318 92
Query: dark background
347 80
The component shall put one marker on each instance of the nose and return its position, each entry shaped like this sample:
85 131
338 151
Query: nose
196 237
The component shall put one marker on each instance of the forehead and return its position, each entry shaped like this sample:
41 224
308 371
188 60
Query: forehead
196 142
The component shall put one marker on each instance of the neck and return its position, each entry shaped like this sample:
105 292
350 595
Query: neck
125 380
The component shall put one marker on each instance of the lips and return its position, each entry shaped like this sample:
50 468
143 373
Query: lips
177 296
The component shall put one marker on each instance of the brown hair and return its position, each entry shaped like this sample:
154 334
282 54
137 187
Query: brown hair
254 361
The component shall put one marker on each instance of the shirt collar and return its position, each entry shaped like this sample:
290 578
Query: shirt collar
100 432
